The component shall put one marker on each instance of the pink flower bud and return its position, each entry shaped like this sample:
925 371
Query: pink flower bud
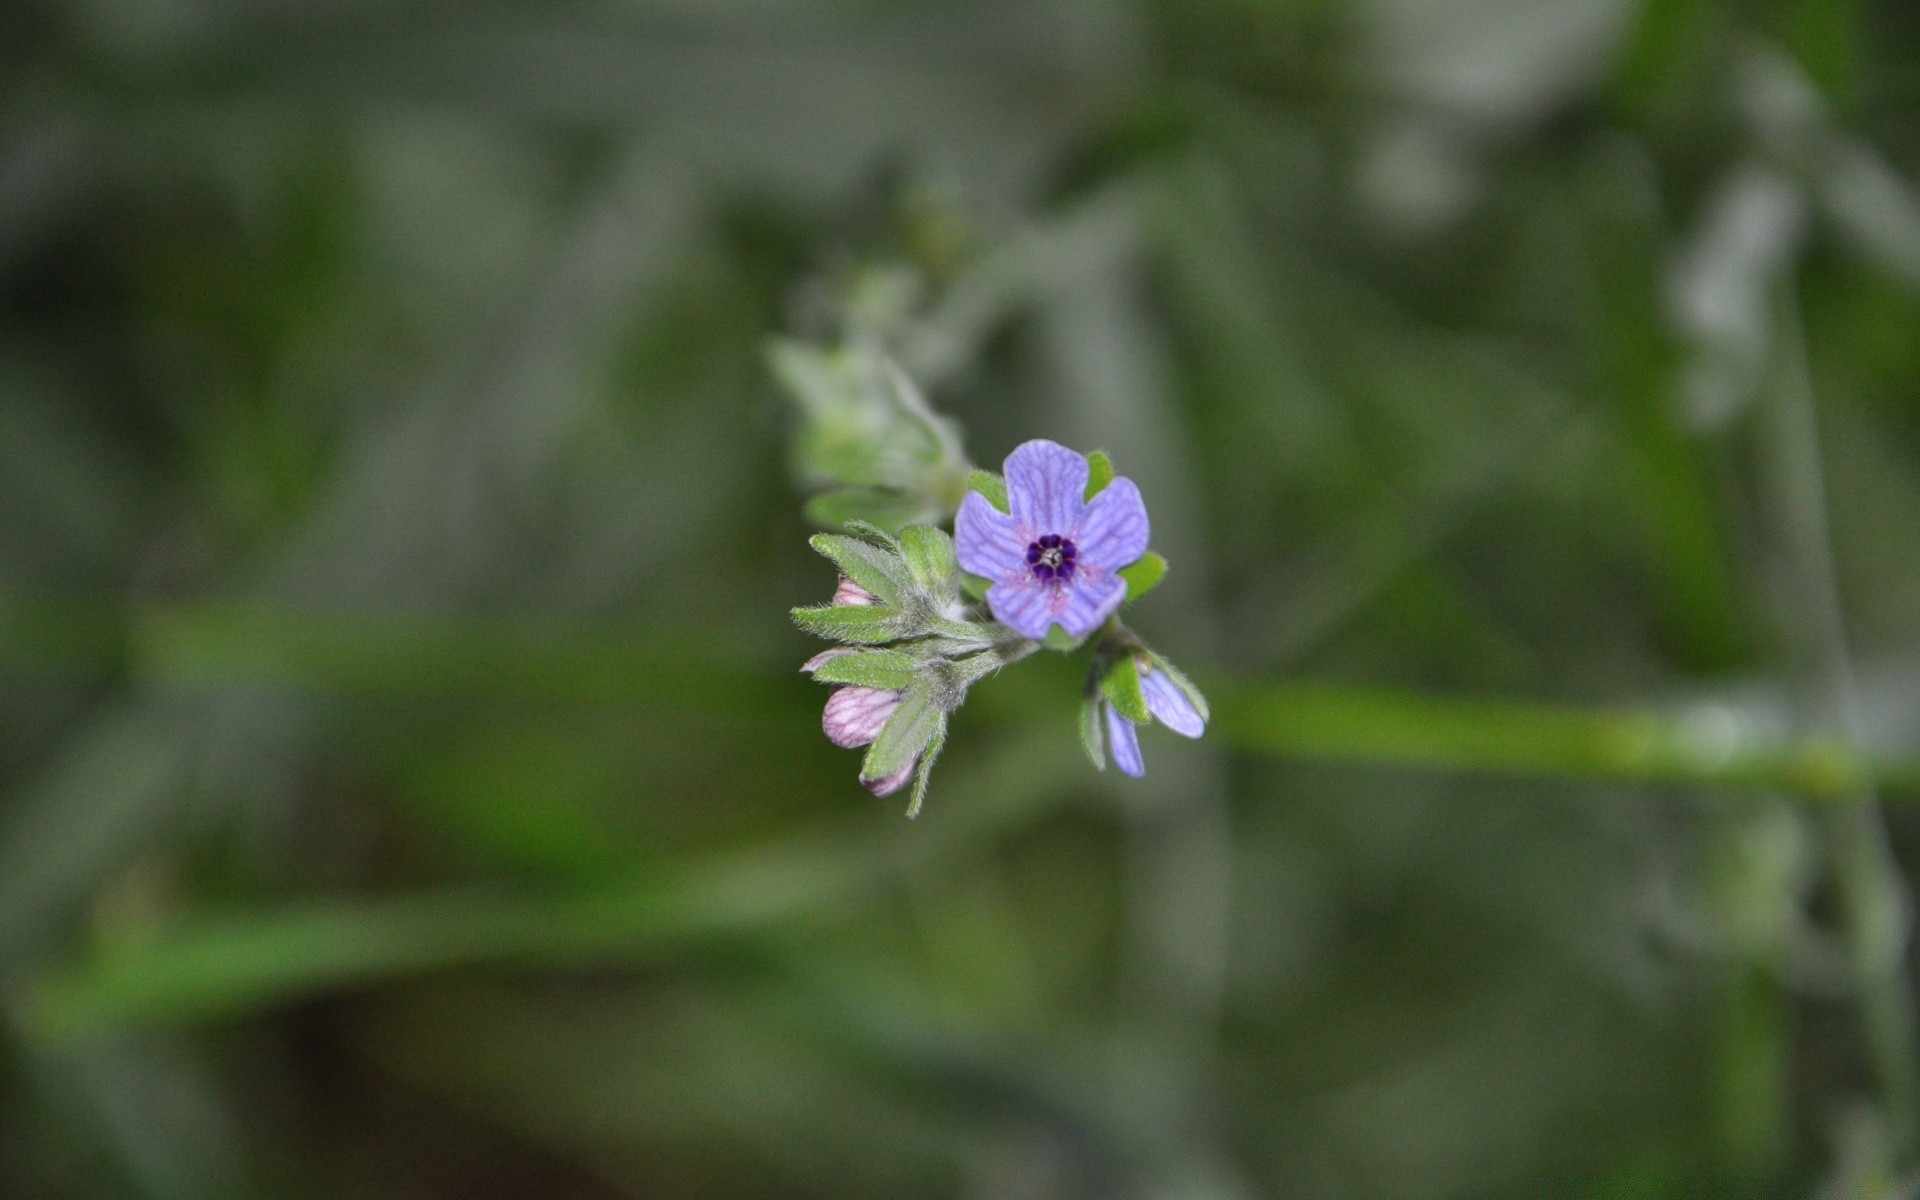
889 784
850 592
854 715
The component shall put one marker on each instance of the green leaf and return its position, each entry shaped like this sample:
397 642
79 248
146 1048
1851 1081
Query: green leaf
991 486
1121 686
1092 735
882 507
1180 681
925 772
930 560
873 568
975 586
870 668
863 624
1145 575
1099 473
909 731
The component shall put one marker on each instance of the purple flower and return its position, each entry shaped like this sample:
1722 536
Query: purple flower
1169 705
1058 557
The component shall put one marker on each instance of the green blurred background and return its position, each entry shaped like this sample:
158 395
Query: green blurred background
406 787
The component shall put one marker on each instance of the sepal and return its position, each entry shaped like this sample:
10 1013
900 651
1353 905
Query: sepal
990 485
1179 680
1144 576
1099 473
931 562
864 625
908 732
873 567
870 668
1092 739
1120 684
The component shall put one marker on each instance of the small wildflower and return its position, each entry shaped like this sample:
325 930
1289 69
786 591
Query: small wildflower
1057 557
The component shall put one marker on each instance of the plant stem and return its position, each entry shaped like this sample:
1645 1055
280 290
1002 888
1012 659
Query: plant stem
1875 909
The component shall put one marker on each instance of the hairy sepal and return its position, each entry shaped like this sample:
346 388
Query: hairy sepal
1144 576
889 669
1099 473
1121 687
990 485
931 562
1180 681
908 732
873 567
924 771
1093 738
858 624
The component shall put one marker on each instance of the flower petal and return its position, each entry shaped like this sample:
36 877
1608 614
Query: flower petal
987 541
1026 607
1113 532
1046 486
854 715
1124 741
887 785
1090 599
1169 705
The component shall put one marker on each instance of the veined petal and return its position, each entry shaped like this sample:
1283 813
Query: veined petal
1124 742
887 785
1113 532
1046 486
1090 599
1169 705
854 715
1026 607
987 541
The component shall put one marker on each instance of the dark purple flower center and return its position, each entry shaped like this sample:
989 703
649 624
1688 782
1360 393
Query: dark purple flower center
1050 557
